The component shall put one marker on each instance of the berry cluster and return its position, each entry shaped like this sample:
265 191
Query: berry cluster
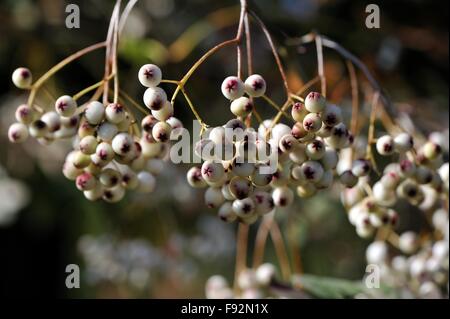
108 156
252 284
420 179
303 157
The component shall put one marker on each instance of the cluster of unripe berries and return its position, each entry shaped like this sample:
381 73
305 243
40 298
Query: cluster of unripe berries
108 157
421 271
303 157
420 179
252 284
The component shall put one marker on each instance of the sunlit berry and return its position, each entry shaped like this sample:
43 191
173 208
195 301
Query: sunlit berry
95 111
115 113
150 75
408 242
212 172
361 167
315 102
255 85
282 196
105 152
385 145
22 78
241 106
122 143
431 150
233 88
315 150
312 171
312 122
155 98
52 120
164 113
161 132
299 112
243 208
403 142
65 106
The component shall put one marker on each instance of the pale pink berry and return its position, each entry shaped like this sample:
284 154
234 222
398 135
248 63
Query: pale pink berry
241 107
18 133
150 75
22 78
315 102
115 113
25 114
155 98
312 122
65 106
85 182
233 88
94 113
255 85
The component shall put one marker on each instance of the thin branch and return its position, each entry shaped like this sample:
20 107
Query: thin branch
320 65
274 52
241 251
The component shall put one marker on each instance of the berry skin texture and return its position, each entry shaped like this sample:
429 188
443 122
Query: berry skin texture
233 88
332 115
95 112
282 196
88 145
114 195
385 145
65 106
403 142
315 150
18 133
361 167
226 213
38 129
214 197
106 132
115 113
109 177
104 152
240 187
22 78
315 102
122 143
312 122
150 75
263 201
212 172
312 171
299 112
241 107
244 208
52 120
255 85
85 182
161 132
25 114
195 178
432 150
155 98
164 113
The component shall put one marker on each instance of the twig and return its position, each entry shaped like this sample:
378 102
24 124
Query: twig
241 251
320 65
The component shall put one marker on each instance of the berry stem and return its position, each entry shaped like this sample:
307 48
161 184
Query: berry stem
194 111
280 249
276 106
91 88
320 65
133 102
260 241
371 133
241 251
36 86
274 52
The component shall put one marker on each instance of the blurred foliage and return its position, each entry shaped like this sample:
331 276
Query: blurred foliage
408 55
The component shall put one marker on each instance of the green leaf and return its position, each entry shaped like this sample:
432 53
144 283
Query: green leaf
328 288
